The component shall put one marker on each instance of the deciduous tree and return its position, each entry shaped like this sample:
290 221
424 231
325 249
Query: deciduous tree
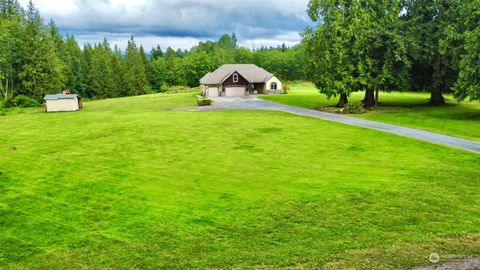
468 84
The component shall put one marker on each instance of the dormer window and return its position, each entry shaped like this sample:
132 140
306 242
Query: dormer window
235 77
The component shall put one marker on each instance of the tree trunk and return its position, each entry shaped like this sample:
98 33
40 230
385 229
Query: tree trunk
376 98
343 100
6 88
369 99
436 97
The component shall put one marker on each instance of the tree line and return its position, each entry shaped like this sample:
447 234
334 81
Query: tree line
386 45
357 45
36 59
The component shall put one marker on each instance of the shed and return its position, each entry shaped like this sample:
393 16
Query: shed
63 103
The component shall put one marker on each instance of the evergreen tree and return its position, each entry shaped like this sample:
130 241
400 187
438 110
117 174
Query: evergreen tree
330 49
75 62
357 46
100 82
234 40
383 62
468 84
11 19
41 69
137 68
432 26
243 56
174 73
159 73
147 65
156 53
122 76
196 65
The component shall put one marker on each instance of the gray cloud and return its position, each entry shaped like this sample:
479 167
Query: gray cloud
252 20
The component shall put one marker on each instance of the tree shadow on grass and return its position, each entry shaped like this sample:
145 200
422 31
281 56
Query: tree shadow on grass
449 111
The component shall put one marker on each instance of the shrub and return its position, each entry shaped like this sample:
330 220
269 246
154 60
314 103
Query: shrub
354 108
201 101
22 101
164 88
147 89
285 89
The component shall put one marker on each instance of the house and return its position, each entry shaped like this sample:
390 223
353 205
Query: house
63 103
239 80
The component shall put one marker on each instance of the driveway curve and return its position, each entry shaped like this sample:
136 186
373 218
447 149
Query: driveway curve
254 103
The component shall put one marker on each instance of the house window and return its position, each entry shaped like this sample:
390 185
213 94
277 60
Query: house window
235 77
273 86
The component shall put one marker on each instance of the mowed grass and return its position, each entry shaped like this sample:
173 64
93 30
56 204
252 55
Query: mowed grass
126 184
400 108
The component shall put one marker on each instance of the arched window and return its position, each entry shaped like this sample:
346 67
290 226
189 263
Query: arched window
273 86
235 77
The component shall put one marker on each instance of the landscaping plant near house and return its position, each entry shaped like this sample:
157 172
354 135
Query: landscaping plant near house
354 108
202 101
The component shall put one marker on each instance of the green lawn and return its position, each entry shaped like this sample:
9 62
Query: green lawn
401 108
125 184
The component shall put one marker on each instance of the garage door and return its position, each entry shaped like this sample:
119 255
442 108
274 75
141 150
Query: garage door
235 91
212 92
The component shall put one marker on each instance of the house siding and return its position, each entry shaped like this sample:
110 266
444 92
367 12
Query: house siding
241 81
62 105
269 84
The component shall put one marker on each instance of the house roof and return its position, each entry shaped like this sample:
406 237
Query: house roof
251 72
60 96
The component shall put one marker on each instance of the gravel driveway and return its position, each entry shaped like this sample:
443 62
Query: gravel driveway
254 103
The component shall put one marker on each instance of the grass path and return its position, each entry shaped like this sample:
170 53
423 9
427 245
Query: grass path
125 184
400 108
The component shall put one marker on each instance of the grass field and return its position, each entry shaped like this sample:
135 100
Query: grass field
401 108
125 184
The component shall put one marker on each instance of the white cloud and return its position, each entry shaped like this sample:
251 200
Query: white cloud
178 23
290 39
148 42
66 7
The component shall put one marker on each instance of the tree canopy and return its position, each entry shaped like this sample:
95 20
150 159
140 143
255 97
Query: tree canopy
360 45
36 59
356 45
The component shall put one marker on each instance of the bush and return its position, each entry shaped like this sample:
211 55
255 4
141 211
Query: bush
201 101
285 89
354 108
164 88
147 89
22 101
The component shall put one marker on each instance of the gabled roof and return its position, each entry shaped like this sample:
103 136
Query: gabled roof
250 72
60 96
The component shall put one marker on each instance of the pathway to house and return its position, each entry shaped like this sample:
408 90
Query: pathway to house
254 103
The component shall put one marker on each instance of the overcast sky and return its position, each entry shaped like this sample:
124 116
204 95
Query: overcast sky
178 23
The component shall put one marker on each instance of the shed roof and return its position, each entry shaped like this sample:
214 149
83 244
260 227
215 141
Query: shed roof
251 72
60 96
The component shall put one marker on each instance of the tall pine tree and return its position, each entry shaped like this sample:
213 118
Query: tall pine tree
41 69
137 68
